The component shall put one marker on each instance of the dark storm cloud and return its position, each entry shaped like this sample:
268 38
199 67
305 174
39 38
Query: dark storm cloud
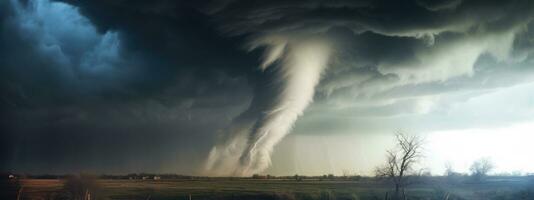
386 17
382 39
150 54
383 44
170 73
70 82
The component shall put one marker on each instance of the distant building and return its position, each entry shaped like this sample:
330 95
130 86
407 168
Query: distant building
157 178
145 178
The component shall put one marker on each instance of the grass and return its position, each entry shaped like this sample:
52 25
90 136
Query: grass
507 188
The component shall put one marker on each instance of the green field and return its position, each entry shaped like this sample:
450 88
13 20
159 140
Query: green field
434 188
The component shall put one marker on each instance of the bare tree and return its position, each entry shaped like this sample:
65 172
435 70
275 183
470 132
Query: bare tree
480 168
401 160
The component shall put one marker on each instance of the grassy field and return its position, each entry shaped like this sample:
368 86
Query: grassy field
494 188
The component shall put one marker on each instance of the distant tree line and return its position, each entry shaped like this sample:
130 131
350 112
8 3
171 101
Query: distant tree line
320 178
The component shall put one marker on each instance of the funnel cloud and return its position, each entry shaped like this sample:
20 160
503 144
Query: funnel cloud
294 67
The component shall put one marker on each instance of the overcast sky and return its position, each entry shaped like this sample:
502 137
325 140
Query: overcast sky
217 87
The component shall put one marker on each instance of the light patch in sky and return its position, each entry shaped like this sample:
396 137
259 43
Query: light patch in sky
510 148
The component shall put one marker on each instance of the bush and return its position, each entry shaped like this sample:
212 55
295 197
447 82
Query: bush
80 188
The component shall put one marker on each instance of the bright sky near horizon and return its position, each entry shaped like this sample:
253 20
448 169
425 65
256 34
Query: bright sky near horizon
509 148
493 134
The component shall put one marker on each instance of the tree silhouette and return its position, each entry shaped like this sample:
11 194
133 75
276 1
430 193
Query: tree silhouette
400 160
480 168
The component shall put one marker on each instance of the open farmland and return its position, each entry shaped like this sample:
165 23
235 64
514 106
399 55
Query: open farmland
494 188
